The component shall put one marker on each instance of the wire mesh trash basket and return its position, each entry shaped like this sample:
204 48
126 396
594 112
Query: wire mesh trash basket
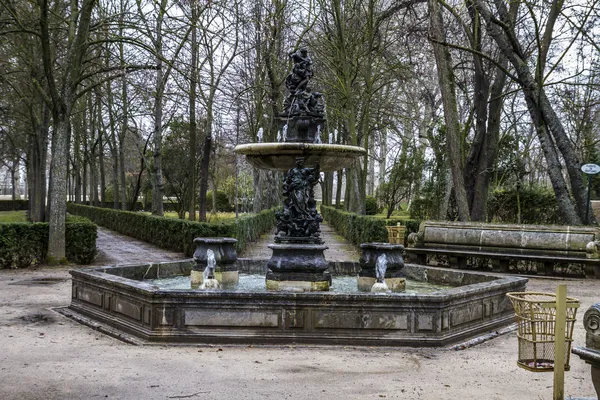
536 316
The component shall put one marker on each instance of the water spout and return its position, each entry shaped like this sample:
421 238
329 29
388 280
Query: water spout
208 276
380 268
259 135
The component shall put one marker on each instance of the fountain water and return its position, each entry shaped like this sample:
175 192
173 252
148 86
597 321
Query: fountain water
380 268
208 276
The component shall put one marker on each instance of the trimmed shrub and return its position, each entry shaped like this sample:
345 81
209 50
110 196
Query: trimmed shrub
355 228
537 205
222 202
25 244
9 205
80 236
371 206
176 234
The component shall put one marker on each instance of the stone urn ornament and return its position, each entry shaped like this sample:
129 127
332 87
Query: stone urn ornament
381 263
223 251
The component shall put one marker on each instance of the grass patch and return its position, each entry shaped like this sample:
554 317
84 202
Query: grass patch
7 217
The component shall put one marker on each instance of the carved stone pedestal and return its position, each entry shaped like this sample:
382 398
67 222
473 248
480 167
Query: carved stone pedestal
301 128
298 267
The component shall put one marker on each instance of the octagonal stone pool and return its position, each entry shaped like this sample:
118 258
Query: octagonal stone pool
124 298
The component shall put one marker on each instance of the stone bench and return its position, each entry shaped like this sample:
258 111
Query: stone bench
548 245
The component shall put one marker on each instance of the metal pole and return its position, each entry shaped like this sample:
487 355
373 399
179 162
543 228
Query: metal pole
587 204
559 344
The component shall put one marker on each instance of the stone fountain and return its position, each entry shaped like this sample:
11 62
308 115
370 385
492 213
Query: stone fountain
298 263
300 304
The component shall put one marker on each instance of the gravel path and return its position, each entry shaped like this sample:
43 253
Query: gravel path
44 355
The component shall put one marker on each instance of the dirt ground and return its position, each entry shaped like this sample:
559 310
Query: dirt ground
44 355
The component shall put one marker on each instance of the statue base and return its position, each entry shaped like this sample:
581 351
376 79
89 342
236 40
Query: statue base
299 239
301 128
298 267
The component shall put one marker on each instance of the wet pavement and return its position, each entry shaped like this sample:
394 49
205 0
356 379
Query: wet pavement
115 248
339 248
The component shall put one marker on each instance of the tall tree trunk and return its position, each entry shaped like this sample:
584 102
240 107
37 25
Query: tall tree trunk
84 174
371 169
101 133
112 144
37 162
327 189
487 160
77 159
382 155
62 97
338 188
14 180
58 191
446 81
548 126
204 175
157 175
125 121
193 154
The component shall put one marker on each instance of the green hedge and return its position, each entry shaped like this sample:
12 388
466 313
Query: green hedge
537 205
24 244
355 228
9 205
176 234
364 229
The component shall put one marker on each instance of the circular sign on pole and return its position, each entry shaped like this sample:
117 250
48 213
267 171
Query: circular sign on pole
590 169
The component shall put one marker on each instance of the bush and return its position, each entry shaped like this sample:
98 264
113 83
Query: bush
9 205
355 228
175 234
421 208
80 236
222 202
371 206
537 205
25 244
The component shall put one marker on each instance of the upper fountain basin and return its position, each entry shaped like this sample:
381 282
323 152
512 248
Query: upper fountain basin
282 156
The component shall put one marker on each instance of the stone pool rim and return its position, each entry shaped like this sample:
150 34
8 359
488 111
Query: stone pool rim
171 316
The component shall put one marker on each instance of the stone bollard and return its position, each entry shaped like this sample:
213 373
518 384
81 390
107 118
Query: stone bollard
393 276
226 271
591 352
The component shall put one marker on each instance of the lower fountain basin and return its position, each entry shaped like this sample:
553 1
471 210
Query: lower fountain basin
117 297
282 156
